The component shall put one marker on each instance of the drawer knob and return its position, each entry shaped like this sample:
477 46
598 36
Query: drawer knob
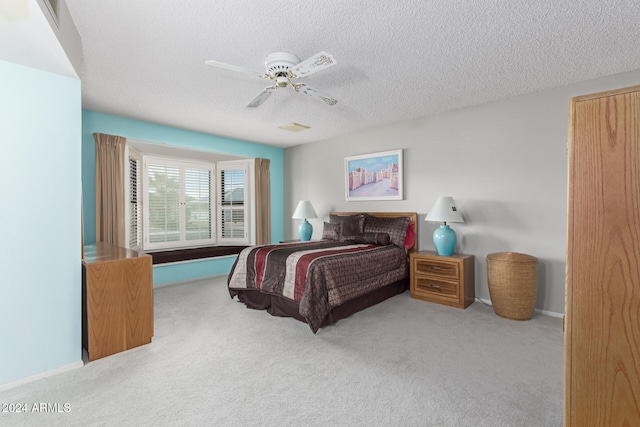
434 286
435 267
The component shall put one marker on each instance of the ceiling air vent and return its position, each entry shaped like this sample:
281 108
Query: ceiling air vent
52 5
294 127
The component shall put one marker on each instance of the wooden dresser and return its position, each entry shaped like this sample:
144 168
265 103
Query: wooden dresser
448 280
602 324
117 299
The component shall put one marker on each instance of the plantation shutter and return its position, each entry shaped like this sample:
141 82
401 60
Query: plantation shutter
198 186
232 203
163 203
135 214
178 204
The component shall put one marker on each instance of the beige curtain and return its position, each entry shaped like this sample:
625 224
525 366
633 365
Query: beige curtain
263 202
110 163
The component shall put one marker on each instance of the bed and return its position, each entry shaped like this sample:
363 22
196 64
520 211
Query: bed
361 260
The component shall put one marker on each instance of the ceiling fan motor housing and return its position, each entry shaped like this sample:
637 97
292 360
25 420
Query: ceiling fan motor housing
278 63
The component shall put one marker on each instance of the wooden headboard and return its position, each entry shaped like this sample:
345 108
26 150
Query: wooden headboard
413 218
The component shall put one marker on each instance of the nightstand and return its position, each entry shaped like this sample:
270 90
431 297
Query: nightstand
448 280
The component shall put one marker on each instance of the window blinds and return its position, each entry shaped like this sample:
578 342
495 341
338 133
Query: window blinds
135 217
232 203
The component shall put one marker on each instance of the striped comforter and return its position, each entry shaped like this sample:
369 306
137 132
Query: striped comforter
318 275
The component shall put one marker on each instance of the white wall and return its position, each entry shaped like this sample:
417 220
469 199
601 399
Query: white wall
29 36
504 163
66 33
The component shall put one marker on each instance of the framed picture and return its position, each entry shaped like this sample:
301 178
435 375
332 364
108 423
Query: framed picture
375 176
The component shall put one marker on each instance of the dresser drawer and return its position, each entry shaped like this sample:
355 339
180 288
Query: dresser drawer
436 267
429 286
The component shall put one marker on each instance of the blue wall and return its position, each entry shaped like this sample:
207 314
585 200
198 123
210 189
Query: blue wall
148 132
40 255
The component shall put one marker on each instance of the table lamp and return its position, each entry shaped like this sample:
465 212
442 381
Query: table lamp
304 210
444 238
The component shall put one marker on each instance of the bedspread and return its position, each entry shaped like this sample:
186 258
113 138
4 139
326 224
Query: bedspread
318 275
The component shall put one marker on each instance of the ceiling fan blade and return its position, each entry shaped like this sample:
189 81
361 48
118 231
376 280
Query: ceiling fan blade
232 67
317 62
260 98
307 90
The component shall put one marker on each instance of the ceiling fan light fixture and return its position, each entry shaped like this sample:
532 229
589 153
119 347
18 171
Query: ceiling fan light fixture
294 127
282 81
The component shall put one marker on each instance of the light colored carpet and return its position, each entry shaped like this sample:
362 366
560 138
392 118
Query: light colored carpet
402 362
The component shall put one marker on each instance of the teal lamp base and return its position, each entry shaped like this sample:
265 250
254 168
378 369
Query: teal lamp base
305 230
444 239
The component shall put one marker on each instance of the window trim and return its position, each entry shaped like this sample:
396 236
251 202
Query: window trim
172 153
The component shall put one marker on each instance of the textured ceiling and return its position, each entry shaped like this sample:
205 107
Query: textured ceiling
145 59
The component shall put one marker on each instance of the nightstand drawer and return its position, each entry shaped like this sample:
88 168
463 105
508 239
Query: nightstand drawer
447 280
436 267
426 285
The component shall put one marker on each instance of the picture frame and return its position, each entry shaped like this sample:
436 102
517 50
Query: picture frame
375 176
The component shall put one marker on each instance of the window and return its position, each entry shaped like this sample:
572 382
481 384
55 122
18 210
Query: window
175 203
198 199
232 209
178 208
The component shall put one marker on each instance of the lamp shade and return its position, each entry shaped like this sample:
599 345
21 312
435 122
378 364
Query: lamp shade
304 210
444 210
444 238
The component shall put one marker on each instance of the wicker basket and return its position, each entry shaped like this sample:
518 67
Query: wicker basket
513 284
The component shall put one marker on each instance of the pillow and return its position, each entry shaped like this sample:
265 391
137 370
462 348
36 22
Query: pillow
382 239
351 224
395 227
410 237
331 231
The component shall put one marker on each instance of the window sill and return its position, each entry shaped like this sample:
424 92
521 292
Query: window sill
190 254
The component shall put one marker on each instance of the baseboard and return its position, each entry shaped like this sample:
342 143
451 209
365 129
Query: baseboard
21 381
181 282
550 313
537 310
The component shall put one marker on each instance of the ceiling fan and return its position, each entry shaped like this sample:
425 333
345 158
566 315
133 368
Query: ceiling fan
283 68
